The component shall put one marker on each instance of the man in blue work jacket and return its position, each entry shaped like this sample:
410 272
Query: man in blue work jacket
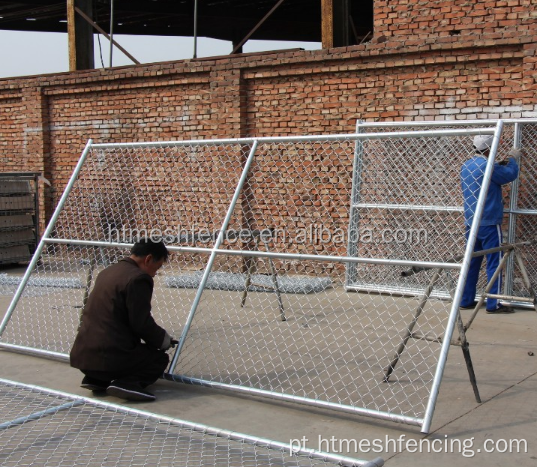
489 234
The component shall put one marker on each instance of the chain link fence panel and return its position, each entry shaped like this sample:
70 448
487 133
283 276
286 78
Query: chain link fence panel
524 209
39 426
262 241
519 200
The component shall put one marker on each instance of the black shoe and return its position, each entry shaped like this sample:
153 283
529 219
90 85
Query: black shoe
501 310
468 307
94 384
129 391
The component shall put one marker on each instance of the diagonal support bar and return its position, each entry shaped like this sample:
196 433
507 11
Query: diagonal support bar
212 257
410 328
526 278
38 415
256 27
105 34
435 388
46 235
481 300
465 346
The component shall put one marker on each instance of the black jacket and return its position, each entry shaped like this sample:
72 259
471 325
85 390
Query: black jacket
115 320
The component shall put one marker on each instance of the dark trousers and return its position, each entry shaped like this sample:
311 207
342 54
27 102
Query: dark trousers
144 372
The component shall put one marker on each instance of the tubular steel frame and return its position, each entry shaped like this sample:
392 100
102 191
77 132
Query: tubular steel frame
425 421
254 441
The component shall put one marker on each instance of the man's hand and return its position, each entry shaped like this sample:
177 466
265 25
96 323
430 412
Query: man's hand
167 342
173 343
517 153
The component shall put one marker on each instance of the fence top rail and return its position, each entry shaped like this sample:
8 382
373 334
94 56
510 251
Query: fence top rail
441 123
309 138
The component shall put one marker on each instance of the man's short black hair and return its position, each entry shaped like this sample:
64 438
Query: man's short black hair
150 246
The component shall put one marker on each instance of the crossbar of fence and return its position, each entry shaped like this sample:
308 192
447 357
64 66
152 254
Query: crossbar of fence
443 123
392 417
300 139
39 414
58 356
265 254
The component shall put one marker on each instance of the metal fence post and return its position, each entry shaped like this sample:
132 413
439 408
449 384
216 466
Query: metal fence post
513 204
212 257
354 216
46 235
454 313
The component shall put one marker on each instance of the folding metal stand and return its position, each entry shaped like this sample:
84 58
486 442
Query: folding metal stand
462 341
251 269
508 249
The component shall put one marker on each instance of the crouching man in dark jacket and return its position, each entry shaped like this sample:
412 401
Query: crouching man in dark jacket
108 348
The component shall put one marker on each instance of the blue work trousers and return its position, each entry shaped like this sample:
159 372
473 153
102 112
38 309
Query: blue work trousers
488 236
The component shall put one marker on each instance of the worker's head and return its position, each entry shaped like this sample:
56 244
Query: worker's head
150 254
483 143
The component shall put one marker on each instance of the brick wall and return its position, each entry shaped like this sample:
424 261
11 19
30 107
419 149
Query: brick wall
433 21
12 122
415 68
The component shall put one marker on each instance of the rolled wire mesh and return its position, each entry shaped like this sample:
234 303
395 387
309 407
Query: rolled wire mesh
285 324
43 427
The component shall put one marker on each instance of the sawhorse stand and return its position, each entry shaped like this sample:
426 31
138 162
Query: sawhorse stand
462 341
508 249
251 269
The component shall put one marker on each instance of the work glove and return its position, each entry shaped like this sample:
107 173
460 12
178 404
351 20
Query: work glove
516 153
167 342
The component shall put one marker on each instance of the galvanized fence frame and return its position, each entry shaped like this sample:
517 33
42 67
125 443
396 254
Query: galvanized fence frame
52 238
84 423
517 133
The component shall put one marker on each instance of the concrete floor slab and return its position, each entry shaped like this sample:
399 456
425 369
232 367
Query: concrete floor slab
501 348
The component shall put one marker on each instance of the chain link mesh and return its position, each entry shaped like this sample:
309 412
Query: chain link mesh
39 427
289 323
334 345
526 220
121 195
434 180
412 195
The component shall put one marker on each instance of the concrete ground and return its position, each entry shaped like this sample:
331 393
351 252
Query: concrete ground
504 353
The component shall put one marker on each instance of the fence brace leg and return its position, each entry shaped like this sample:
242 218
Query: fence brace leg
410 327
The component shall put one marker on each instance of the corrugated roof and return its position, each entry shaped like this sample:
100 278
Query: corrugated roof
294 20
